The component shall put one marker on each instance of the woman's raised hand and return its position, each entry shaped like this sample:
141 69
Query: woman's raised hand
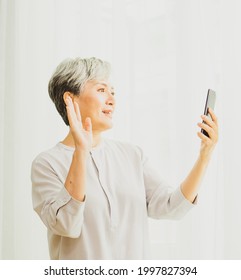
211 127
82 133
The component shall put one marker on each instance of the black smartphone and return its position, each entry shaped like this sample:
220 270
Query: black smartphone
210 103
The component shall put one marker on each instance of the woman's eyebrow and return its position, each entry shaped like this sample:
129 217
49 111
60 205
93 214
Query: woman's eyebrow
104 84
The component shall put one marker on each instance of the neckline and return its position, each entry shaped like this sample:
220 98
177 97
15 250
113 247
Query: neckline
93 149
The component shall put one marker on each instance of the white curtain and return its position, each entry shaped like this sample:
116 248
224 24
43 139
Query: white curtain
165 54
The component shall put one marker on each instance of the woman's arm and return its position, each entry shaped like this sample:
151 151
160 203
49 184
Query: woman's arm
191 184
60 203
75 181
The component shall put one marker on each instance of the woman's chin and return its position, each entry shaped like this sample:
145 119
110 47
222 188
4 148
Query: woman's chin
103 126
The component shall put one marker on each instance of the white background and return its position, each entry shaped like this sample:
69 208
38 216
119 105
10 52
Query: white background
165 54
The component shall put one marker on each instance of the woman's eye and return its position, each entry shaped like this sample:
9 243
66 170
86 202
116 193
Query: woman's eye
101 90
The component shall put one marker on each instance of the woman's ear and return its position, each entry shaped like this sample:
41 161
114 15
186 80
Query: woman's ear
66 94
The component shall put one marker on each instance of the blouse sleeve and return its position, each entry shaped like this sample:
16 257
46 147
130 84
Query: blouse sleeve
60 213
163 201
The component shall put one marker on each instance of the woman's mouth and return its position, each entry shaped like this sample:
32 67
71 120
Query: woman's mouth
107 113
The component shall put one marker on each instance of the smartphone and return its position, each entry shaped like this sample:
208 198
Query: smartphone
210 103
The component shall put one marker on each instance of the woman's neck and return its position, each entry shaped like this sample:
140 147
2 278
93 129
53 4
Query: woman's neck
69 140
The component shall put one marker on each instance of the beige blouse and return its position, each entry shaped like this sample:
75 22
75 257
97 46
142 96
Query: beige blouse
122 191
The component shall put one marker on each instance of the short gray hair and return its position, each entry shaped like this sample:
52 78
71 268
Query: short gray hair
71 75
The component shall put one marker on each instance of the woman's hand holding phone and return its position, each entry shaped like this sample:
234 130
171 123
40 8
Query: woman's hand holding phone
209 127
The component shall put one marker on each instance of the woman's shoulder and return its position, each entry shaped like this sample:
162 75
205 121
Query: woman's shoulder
58 151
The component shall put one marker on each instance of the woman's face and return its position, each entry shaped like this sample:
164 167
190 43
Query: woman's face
97 102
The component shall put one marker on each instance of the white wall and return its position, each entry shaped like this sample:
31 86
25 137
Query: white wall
164 55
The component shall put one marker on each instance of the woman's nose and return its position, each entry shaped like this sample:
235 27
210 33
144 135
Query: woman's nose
111 99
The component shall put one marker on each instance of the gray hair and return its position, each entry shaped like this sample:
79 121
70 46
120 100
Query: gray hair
71 75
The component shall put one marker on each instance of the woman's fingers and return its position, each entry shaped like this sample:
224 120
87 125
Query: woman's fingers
82 135
88 125
207 128
213 122
209 122
204 138
73 112
77 111
70 111
211 127
213 116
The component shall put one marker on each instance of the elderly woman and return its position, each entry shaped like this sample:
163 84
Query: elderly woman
95 195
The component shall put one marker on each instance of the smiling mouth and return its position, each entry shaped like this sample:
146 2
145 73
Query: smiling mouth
107 113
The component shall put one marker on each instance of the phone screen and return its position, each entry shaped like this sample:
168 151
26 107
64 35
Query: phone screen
210 103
